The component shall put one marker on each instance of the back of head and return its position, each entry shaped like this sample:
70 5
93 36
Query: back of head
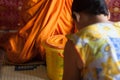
92 7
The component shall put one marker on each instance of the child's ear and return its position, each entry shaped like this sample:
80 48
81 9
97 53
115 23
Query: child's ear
108 14
77 16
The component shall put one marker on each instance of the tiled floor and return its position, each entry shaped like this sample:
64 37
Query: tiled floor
9 73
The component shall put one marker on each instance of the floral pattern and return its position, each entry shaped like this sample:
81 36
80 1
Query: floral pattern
114 7
99 48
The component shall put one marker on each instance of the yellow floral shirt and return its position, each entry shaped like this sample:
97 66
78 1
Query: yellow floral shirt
99 48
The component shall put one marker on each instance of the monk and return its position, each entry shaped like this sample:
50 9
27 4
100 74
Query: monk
43 18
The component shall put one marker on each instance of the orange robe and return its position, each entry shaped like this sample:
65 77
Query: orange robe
46 18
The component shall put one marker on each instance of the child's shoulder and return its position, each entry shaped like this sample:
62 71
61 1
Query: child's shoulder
117 24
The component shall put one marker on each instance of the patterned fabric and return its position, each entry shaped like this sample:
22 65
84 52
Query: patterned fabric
114 7
99 48
10 14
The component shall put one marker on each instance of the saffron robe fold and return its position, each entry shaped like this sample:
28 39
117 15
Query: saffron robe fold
46 18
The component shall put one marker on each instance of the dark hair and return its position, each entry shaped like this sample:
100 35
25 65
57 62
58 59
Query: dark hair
93 7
